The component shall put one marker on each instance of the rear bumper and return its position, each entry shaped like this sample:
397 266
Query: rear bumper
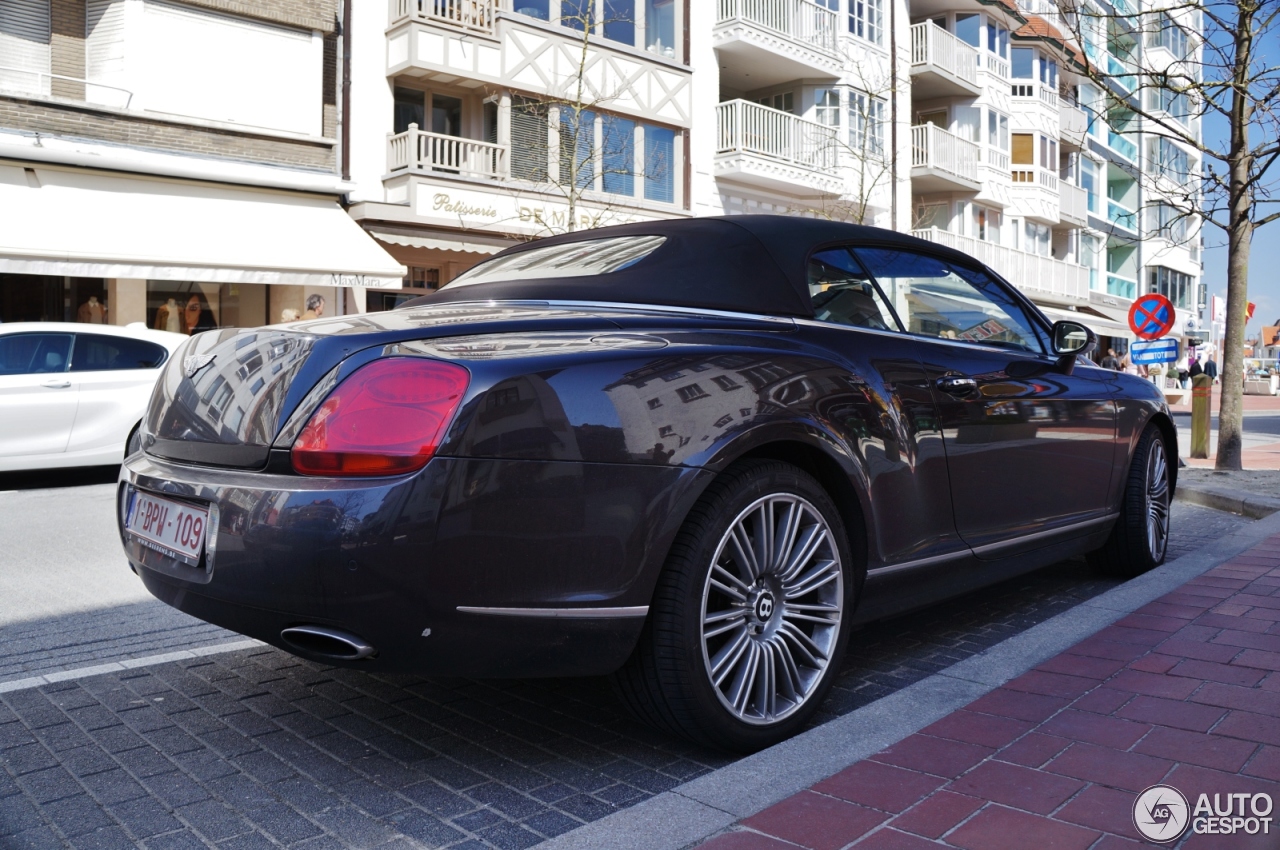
391 560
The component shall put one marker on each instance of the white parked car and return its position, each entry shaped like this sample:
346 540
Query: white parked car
73 394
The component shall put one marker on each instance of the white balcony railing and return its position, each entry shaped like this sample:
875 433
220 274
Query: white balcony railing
1074 202
1029 272
40 84
473 15
995 66
420 151
931 45
934 147
995 158
1044 94
751 128
799 20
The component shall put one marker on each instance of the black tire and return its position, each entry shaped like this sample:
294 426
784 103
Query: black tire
133 445
1140 538
669 680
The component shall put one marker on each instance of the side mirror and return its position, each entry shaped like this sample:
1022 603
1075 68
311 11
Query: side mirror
1070 340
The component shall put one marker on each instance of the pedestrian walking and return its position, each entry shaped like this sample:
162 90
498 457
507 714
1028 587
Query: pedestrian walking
1110 361
1211 369
315 307
1195 369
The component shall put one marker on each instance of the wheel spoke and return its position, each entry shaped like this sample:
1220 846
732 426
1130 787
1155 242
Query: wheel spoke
788 614
789 674
721 622
764 537
809 541
809 650
787 539
823 572
746 552
767 683
738 590
745 681
727 659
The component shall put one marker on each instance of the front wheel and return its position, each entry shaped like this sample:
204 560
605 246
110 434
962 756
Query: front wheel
1140 538
751 613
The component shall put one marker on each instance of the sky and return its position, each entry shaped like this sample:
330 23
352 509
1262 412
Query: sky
1264 262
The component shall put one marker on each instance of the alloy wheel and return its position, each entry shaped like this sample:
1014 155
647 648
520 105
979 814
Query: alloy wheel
1157 500
772 606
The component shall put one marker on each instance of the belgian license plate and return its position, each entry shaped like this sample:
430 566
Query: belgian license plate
175 529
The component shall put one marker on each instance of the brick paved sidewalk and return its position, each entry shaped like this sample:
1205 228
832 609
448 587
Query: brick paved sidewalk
1185 691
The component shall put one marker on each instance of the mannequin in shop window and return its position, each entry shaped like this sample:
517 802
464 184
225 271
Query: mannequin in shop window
92 312
169 318
198 315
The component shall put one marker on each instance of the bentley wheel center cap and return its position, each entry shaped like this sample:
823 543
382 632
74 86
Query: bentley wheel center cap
764 606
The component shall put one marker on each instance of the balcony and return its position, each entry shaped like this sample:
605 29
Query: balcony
942 161
1119 72
1118 143
1031 273
1074 125
766 42
1125 287
421 152
995 66
1121 216
468 15
1023 92
941 64
43 84
1073 204
776 150
1034 194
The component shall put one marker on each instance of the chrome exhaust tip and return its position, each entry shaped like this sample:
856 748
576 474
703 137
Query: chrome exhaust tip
324 642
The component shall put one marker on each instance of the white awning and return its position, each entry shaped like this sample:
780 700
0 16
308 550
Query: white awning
439 243
96 224
1097 324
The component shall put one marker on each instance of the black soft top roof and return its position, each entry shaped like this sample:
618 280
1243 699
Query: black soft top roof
742 263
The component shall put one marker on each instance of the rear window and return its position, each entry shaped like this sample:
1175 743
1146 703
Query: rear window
95 353
574 259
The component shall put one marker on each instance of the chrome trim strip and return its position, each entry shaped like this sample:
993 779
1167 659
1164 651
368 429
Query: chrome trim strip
622 306
922 562
561 613
990 547
1050 532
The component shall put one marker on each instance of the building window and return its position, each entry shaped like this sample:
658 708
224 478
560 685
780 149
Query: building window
1023 64
782 101
997 130
1168 160
1176 104
826 107
660 163
1089 182
660 27
1170 36
997 39
986 223
618 162
692 392
866 124
1176 286
865 19
422 278
725 383
1038 238
617 20
1167 221
969 28
655 403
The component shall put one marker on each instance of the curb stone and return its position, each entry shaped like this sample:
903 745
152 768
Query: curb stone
1225 499
697 810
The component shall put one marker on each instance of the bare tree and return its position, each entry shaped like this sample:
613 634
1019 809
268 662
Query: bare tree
582 153
859 145
1224 72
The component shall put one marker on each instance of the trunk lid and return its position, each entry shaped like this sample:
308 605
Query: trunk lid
225 395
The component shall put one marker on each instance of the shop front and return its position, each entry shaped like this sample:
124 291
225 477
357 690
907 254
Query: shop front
176 255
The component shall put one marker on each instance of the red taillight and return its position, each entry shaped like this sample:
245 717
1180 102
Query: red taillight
386 418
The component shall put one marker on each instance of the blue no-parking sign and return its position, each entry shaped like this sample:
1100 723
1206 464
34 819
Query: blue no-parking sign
1156 351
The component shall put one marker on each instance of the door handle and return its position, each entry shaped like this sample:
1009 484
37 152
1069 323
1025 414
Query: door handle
956 385
56 384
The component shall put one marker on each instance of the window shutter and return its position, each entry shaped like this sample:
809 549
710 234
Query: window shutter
24 46
104 51
529 152
1024 149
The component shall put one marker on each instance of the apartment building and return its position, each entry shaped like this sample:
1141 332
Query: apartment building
175 163
971 123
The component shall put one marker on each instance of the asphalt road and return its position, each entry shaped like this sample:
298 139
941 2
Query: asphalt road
254 747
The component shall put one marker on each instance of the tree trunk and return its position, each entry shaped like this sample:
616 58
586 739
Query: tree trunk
1239 237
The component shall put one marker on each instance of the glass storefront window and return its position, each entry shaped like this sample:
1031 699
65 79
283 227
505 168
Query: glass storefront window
48 298
187 307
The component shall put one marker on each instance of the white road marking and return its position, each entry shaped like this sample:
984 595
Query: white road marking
127 664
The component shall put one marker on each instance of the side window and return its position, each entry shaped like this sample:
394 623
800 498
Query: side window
842 292
34 354
937 299
96 353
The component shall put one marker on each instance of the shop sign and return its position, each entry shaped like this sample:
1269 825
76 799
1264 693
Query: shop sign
511 212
